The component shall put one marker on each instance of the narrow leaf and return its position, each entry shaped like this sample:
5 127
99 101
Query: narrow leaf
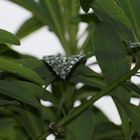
108 47
104 8
29 26
30 119
7 102
82 127
134 113
22 91
85 4
8 38
86 76
131 9
20 70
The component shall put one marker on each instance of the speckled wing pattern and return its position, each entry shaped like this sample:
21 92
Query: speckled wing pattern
62 65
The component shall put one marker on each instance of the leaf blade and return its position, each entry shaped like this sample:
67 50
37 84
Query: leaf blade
10 66
110 8
108 46
29 26
8 38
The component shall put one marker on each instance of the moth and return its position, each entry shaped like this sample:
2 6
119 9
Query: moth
62 65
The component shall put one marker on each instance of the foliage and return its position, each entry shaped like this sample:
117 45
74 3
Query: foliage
112 36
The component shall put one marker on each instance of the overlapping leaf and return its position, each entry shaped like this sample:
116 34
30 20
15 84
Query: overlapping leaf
7 102
22 91
111 57
85 4
20 70
6 129
81 128
30 25
39 67
8 38
105 8
134 113
86 76
131 9
30 120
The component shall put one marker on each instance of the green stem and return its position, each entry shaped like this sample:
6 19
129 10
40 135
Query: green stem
77 111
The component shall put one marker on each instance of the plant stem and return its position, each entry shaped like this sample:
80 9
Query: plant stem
77 111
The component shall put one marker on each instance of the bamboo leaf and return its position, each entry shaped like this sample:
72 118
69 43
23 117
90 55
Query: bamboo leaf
6 129
132 87
71 9
87 76
33 7
108 47
8 38
104 8
7 102
85 4
20 70
29 26
131 9
134 114
23 91
53 11
30 119
3 48
113 132
39 67
82 127
7 52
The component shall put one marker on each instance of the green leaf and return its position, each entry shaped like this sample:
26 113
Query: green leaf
108 47
7 129
8 38
54 16
88 18
26 92
12 67
3 48
20 133
86 46
22 91
85 4
134 114
33 7
82 127
7 102
87 76
99 116
131 9
48 114
7 52
104 8
132 87
38 66
71 9
49 13
108 131
53 9
30 119
29 26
